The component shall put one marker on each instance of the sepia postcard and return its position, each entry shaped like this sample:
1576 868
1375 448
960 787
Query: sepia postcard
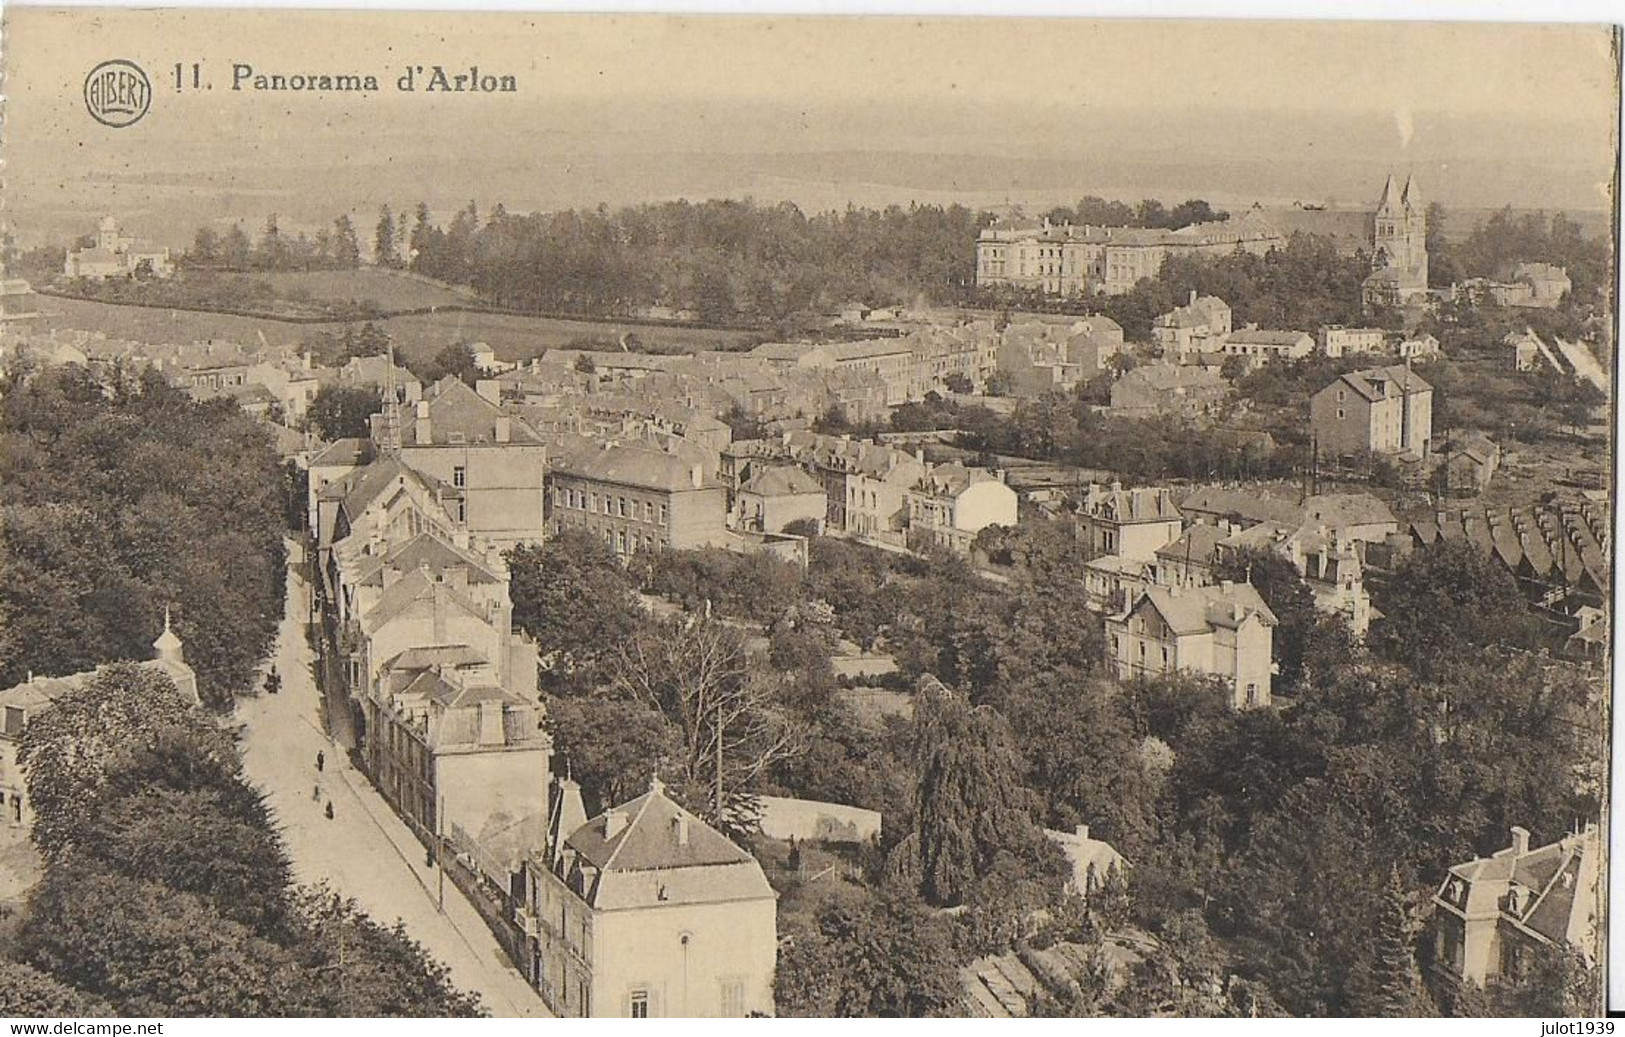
646 515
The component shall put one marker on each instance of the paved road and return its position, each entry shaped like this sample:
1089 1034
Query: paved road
366 852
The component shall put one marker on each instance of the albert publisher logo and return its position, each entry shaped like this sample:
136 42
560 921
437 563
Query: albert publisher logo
117 93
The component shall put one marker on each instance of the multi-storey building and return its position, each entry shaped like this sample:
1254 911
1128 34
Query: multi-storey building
116 255
495 462
454 751
1381 410
1337 340
1200 326
952 503
1070 260
1493 914
1225 631
637 498
1261 345
1157 389
644 912
1127 523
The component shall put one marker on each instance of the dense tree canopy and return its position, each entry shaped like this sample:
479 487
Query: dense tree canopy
120 500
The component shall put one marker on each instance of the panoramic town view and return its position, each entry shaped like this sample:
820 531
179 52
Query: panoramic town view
770 579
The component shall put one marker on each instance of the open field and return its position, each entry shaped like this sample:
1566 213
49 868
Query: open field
387 290
419 335
520 338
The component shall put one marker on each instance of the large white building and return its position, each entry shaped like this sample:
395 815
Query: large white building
645 912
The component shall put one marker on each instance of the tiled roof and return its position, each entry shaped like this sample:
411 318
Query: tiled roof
781 481
1199 543
1267 337
1196 610
345 452
1337 510
411 590
427 552
635 466
1142 504
1246 506
649 839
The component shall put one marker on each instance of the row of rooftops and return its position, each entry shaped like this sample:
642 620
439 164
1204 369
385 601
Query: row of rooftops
1249 226
1557 540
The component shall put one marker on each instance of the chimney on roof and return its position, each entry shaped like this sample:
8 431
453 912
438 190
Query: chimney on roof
1193 297
1226 586
679 827
424 432
504 428
919 454
1520 840
1083 831
614 822
439 613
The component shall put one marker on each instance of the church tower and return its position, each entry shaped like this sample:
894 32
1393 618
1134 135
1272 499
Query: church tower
1400 236
1399 259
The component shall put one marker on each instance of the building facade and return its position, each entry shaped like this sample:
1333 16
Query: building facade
637 499
1381 410
645 912
1224 631
1491 915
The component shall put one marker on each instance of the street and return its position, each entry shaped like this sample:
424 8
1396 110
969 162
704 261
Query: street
365 851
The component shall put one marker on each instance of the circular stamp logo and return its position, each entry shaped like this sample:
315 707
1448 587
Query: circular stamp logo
117 93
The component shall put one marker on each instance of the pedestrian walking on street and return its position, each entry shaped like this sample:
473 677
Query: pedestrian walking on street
329 810
320 760
316 793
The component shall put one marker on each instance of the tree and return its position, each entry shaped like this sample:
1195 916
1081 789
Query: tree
886 959
72 749
371 970
236 252
346 249
454 361
695 670
205 248
611 744
1396 981
384 252
548 583
970 804
1277 581
26 992
1446 600
343 411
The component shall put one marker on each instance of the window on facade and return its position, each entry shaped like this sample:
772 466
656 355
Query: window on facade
662 514
733 999
620 503
1340 414
459 476
462 511
638 1007
648 512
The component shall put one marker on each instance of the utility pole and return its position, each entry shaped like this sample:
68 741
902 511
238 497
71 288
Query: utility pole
440 849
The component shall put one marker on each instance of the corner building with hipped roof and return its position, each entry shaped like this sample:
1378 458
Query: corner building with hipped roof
645 911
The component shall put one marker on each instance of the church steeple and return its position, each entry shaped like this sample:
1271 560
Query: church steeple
1410 197
168 644
1390 201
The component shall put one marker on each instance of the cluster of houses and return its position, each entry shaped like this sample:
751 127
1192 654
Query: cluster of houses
641 910
1156 565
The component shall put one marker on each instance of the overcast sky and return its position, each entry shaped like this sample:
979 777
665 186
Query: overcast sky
1484 113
